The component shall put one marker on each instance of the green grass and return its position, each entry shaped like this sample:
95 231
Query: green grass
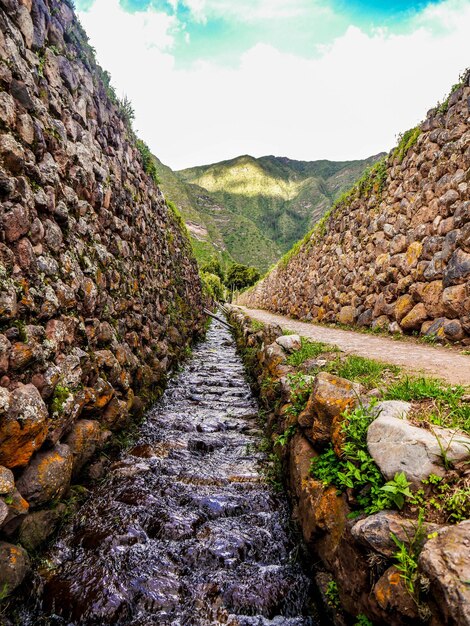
407 141
447 410
361 370
309 350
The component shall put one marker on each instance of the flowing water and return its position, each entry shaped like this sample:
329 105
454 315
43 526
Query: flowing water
184 530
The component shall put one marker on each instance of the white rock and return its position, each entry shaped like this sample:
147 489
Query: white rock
289 343
398 446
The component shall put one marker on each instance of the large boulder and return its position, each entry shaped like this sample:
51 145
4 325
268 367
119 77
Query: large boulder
48 475
23 427
445 562
398 446
14 565
330 398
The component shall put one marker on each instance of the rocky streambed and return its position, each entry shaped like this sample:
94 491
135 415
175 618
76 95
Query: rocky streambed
184 529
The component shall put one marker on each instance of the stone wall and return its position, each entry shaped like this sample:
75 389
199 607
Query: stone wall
99 291
396 253
354 553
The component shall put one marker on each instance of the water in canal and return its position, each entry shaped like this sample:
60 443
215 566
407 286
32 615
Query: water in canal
184 530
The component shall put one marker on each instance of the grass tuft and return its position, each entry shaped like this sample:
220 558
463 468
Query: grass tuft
309 350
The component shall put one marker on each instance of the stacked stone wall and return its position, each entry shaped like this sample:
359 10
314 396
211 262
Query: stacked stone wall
99 291
396 254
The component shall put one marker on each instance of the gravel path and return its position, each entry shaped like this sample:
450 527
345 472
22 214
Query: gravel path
438 361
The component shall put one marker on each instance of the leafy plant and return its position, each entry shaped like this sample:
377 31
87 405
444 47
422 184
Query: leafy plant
357 470
59 398
148 160
457 505
406 141
284 437
126 112
362 620
398 489
332 594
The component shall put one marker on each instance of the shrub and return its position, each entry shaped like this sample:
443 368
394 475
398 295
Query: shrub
148 160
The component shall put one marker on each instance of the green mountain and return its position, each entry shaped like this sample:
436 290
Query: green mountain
253 210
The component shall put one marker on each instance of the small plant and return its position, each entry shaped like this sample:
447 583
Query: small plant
332 594
273 472
126 112
406 141
398 489
148 160
59 398
257 325
362 620
301 388
406 555
457 505
284 437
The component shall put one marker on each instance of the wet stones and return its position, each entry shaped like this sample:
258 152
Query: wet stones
38 526
47 476
184 524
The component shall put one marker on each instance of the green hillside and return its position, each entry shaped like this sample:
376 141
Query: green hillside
253 210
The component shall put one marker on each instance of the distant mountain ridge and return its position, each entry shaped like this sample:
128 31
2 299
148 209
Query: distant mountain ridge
251 210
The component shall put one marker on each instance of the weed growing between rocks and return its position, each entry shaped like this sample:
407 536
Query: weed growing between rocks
445 405
356 470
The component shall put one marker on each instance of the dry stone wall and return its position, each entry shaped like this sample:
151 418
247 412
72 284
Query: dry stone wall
396 253
99 291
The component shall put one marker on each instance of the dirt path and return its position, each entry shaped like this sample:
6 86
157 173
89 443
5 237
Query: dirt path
414 357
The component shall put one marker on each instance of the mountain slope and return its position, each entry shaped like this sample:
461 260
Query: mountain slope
252 210
282 197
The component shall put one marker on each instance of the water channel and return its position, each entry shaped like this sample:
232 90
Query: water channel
184 529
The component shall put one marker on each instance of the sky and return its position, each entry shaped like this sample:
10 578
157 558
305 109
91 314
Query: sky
308 79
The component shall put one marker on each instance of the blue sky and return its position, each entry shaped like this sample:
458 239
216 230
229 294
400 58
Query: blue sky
308 79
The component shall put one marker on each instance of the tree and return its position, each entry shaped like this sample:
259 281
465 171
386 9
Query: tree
240 276
213 267
213 286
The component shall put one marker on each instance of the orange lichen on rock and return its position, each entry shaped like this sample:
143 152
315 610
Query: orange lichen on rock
23 428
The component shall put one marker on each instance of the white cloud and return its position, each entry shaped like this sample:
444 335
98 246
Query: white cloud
247 10
349 102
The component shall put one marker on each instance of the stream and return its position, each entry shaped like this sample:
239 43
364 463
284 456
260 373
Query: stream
184 529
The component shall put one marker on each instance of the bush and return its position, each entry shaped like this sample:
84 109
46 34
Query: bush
148 160
213 286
